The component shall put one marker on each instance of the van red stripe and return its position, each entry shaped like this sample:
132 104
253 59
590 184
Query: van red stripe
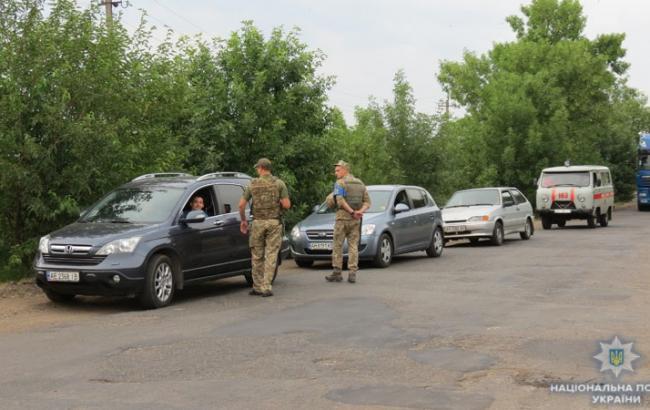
573 194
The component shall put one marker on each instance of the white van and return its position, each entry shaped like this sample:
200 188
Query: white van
575 192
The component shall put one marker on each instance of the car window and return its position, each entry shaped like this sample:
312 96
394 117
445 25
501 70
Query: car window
401 198
473 197
519 197
506 198
606 180
417 197
597 180
569 178
228 196
208 201
134 205
430 201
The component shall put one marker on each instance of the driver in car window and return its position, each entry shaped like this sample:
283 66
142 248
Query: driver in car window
196 204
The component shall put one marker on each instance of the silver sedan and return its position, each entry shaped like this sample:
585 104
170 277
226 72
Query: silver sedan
489 213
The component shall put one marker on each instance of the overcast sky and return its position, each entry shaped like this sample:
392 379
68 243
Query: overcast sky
366 42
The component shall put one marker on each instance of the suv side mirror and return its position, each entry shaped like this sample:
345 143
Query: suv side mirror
399 208
508 203
193 217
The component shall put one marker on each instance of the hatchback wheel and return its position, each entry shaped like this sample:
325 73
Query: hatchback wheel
497 234
304 263
160 283
384 255
437 244
528 230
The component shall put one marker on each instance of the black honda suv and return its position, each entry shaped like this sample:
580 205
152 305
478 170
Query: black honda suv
143 239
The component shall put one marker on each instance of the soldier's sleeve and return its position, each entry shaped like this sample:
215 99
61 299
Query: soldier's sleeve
247 195
340 193
330 201
284 192
366 199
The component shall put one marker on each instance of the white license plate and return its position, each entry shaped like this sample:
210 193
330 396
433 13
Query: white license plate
562 211
455 228
63 276
320 246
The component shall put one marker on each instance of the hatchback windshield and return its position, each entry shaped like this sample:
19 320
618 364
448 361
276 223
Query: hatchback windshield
474 197
151 205
552 179
378 203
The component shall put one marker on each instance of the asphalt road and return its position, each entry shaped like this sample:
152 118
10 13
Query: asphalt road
481 327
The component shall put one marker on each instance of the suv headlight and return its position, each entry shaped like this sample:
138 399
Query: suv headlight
295 233
120 246
368 229
44 244
483 218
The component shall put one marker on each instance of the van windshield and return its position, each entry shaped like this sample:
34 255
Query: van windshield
134 205
553 179
473 197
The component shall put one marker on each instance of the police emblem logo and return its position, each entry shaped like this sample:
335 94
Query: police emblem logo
616 356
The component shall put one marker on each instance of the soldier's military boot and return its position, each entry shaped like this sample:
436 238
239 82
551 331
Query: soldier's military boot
352 277
334 277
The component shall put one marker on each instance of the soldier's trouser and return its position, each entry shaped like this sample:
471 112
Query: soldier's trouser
265 242
346 230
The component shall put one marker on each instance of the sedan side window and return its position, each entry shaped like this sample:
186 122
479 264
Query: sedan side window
401 198
506 199
417 198
519 197
228 196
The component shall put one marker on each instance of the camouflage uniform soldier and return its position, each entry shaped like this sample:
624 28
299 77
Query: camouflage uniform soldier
270 197
351 198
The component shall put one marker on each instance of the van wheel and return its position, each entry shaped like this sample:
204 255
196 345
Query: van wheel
497 235
561 224
528 230
547 223
603 220
437 244
159 283
384 255
304 263
57 297
591 221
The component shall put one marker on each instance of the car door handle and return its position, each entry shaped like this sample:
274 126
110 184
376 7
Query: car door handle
218 223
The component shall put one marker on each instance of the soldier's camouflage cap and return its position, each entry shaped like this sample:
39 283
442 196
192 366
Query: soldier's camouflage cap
343 164
264 163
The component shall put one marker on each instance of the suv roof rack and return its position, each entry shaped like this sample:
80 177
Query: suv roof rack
223 175
161 175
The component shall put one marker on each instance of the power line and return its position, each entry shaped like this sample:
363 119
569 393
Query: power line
180 16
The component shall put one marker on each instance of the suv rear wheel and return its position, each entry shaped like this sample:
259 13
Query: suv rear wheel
160 283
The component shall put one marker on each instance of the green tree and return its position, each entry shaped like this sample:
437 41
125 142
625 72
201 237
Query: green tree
550 95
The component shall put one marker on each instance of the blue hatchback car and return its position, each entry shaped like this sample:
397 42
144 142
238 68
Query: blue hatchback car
401 219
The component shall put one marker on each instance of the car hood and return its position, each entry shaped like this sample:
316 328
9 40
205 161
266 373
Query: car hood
326 221
94 234
466 212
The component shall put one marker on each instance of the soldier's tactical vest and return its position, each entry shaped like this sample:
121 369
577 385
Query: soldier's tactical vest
354 189
266 197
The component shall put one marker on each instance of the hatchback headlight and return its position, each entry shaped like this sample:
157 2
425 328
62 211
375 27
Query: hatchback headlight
295 233
368 229
120 246
483 218
44 244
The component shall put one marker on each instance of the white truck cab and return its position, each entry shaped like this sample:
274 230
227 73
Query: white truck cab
575 192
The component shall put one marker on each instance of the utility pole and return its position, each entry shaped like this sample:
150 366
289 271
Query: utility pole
109 4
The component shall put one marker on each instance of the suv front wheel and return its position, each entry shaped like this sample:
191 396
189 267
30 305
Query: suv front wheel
159 284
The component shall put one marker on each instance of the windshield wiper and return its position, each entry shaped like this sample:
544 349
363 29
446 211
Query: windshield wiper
120 221
456 206
481 205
